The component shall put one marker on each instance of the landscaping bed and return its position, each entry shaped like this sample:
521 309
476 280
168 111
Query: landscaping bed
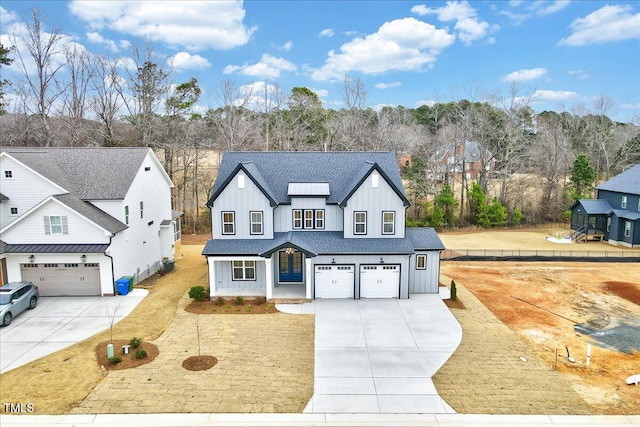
232 306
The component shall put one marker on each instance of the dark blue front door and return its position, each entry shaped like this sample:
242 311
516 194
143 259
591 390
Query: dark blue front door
290 267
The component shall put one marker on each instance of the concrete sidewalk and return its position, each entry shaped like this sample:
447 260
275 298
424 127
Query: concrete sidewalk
59 322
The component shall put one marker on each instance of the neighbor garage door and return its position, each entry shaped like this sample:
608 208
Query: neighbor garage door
63 279
379 281
334 281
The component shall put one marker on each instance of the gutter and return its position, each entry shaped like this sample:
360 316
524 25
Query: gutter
113 273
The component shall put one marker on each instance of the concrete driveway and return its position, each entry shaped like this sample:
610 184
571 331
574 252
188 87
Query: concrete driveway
378 356
59 322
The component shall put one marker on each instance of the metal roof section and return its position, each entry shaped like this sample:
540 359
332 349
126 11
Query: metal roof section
56 248
308 189
626 182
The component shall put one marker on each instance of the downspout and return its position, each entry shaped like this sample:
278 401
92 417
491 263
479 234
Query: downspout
113 273
408 279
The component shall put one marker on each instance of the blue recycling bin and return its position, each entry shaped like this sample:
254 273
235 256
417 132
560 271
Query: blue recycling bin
122 285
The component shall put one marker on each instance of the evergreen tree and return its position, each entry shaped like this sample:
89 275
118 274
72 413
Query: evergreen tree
446 201
582 177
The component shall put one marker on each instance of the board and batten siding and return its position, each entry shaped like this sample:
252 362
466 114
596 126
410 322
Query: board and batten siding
425 281
283 214
242 201
224 276
25 189
374 200
362 259
615 200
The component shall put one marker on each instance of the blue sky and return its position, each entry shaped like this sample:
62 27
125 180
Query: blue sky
566 53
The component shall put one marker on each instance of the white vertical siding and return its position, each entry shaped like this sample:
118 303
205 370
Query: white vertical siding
374 200
224 276
242 201
425 281
283 214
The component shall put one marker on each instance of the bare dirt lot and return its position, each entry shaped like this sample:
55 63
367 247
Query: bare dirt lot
542 302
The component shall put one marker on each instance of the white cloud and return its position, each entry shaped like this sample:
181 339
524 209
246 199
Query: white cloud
287 46
554 95
327 32
468 25
269 67
7 17
321 92
194 25
525 75
515 3
387 85
580 74
95 37
609 23
186 61
516 18
403 44
555 6
427 102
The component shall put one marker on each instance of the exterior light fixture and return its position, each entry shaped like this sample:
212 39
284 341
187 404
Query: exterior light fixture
289 251
83 258
32 259
333 260
381 260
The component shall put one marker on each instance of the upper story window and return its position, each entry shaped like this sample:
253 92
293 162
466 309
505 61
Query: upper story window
388 222
421 262
228 223
14 211
623 203
240 181
177 233
55 225
8 174
359 223
256 222
308 219
126 215
374 180
141 210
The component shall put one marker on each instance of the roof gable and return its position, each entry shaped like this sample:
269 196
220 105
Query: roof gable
627 182
273 171
362 177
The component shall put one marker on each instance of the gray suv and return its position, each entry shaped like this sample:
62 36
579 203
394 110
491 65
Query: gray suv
15 298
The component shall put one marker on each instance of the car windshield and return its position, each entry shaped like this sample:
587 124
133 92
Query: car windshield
5 299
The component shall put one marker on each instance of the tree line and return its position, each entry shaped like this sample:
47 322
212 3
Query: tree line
66 96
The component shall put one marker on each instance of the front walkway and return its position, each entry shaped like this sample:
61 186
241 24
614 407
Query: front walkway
378 356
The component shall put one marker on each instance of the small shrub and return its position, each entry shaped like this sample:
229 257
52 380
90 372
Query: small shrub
453 291
115 360
220 301
197 293
260 300
239 300
227 307
140 354
249 308
135 342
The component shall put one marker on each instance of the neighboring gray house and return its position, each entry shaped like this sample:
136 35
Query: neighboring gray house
74 220
615 215
316 225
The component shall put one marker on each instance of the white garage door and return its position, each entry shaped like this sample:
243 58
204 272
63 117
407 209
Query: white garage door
59 279
334 281
379 281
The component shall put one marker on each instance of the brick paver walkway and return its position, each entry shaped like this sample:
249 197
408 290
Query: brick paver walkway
265 364
486 375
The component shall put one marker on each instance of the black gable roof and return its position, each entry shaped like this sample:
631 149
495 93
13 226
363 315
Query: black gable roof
273 171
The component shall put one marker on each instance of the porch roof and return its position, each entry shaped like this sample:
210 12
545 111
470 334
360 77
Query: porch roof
56 248
314 243
627 214
595 207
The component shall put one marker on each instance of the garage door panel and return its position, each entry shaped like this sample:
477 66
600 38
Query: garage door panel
379 281
334 281
60 279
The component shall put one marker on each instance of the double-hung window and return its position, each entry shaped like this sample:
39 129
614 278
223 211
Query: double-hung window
308 218
627 228
359 223
297 219
421 262
228 223
141 210
256 222
244 270
319 219
55 225
126 215
388 222
623 203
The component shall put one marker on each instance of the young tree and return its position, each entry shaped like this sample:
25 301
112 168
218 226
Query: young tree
446 202
582 177
107 87
4 60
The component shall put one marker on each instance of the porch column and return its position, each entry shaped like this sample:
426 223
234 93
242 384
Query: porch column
307 264
269 281
212 277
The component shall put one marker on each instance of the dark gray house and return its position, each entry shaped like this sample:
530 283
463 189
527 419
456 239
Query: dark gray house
615 215
316 225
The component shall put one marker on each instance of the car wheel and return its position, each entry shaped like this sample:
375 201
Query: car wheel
6 320
33 302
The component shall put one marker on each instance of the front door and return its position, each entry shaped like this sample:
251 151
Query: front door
290 267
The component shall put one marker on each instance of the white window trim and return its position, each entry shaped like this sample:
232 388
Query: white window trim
308 225
627 228
623 202
126 215
301 219
392 223
48 226
11 211
252 223
319 220
232 223
241 182
356 222
418 258
141 210
244 267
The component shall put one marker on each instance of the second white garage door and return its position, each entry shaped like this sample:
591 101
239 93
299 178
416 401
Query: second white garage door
62 279
379 281
334 281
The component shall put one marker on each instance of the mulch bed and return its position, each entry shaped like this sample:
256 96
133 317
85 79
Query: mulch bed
128 360
199 363
625 290
230 306
454 304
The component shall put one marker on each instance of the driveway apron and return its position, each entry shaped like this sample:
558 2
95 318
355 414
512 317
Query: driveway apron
378 356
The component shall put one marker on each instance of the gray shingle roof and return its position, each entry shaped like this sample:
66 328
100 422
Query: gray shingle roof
89 173
3 197
627 214
595 207
627 182
326 242
273 171
3 247
92 213
56 248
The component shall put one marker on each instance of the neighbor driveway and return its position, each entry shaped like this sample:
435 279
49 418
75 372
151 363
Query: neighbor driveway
378 356
59 322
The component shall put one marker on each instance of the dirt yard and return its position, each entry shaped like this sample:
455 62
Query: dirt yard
542 302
